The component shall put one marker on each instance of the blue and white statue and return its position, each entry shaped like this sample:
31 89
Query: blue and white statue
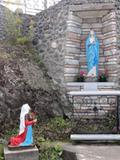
92 53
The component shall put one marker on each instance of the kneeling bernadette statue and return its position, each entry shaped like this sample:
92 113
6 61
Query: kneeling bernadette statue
92 53
25 137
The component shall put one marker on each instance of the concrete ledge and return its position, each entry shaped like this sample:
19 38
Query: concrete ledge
95 137
102 84
92 7
94 93
91 152
80 86
23 154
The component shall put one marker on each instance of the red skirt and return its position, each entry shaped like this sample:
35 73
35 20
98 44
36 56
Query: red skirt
17 140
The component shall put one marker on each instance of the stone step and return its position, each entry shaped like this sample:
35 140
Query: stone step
95 137
91 152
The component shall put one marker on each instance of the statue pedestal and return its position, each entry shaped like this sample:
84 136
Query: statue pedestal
28 153
91 79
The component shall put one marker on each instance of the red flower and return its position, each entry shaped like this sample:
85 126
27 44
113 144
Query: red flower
82 73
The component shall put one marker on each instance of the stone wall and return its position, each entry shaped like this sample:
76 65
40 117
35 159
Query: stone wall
2 23
117 4
62 36
110 44
51 32
72 52
60 50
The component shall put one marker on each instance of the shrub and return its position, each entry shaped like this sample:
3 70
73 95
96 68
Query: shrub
1 152
22 40
103 76
55 129
49 151
81 77
15 27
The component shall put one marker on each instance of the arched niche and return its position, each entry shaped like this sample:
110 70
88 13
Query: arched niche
102 17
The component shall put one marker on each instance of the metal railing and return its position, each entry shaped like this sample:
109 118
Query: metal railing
95 111
28 6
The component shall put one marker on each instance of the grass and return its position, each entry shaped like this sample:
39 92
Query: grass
49 137
1 152
51 150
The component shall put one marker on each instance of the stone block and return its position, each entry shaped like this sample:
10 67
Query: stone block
74 29
94 25
31 153
73 44
109 34
110 40
109 29
72 50
109 23
109 16
74 18
71 70
71 62
72 23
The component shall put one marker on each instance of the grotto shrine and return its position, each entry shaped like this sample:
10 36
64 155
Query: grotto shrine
62 31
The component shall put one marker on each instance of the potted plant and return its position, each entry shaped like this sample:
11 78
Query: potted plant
81 77
103 76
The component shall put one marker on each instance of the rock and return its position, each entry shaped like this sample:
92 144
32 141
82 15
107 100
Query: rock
24 81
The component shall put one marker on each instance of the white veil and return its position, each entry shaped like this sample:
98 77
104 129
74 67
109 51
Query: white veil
24 110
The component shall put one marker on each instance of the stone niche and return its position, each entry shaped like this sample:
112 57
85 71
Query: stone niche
102 18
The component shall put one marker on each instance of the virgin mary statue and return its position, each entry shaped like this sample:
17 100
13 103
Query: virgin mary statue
92 53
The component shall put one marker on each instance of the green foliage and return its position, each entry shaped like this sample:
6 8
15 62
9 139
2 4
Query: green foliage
50 151
10 23
110 121
14 28
103 76
95 125
10 132
44 134
1 152
81 77
55 129
22 40
59 125
31 30
33 55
